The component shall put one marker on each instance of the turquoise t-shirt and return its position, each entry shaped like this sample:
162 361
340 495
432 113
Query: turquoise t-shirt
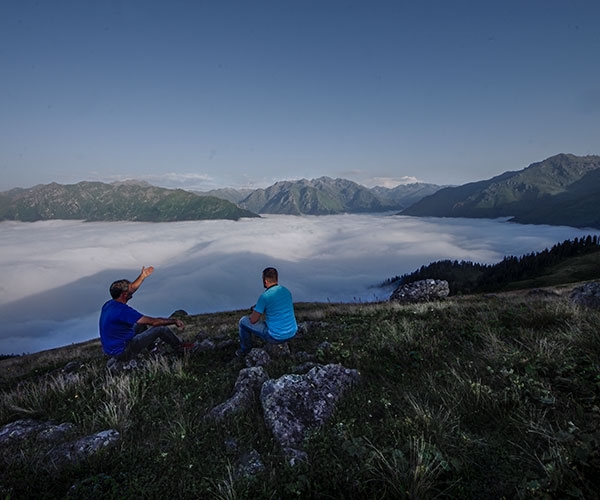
278 308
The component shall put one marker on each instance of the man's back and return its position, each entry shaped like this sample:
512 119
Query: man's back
276 303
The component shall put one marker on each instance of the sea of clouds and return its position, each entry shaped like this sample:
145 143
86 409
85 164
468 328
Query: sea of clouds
56 274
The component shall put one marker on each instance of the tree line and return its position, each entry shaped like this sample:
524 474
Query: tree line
465 277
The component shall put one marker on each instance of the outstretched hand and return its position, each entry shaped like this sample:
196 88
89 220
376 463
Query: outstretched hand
146 271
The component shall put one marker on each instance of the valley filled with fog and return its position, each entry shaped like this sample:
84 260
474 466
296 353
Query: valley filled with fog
56 274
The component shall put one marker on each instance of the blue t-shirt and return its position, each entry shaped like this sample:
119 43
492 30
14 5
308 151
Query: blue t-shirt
276 304
117 321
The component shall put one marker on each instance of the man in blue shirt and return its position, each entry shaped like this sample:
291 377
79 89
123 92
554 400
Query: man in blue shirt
123 330
279 324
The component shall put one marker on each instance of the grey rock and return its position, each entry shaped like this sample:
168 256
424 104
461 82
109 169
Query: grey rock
294 404
249 465
587 295
53 433
421 291
113 365
20 430
245 389
304 367
53 439
83 448
257 357
324 346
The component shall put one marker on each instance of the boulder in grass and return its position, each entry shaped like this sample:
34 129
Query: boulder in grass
587 295
294 404
421 291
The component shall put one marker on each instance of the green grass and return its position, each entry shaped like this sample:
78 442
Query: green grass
490 396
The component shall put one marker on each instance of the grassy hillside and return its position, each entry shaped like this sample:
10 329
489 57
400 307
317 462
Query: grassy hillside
566 262
561 190
491 396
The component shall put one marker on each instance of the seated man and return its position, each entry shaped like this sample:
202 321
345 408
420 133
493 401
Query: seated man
279 322
122 328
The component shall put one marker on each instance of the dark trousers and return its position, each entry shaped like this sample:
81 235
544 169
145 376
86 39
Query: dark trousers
144 338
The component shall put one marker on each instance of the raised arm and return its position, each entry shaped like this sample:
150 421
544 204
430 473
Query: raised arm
146 271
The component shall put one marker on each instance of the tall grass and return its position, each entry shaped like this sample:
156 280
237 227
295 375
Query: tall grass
39 397
121 394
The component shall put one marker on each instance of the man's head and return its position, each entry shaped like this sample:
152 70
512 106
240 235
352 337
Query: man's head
118 287
269 276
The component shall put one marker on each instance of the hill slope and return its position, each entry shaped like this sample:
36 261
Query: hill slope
563 189
473 397
571 260
96 201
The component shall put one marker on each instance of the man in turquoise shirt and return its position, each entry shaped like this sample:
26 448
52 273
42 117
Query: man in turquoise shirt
279 324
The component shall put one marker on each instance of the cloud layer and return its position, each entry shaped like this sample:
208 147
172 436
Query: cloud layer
56 274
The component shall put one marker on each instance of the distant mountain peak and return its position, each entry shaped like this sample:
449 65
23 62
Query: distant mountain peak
325 195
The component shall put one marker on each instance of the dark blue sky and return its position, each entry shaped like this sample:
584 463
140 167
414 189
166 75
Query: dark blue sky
210 94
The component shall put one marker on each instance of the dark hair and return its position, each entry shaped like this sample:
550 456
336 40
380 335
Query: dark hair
118 287
270 273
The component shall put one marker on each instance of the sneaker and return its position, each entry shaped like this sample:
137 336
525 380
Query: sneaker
240 353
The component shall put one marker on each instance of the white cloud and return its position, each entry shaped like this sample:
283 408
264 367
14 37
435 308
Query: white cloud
190 181
56 274
389 182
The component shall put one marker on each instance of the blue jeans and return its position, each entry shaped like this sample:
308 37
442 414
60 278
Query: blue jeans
259 329
145 338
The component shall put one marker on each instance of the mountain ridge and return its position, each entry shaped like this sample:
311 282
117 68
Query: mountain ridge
325 196
560 190
123 201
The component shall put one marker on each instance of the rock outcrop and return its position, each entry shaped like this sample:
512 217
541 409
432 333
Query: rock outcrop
294 404
56 441
246 387
587 295
421 291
